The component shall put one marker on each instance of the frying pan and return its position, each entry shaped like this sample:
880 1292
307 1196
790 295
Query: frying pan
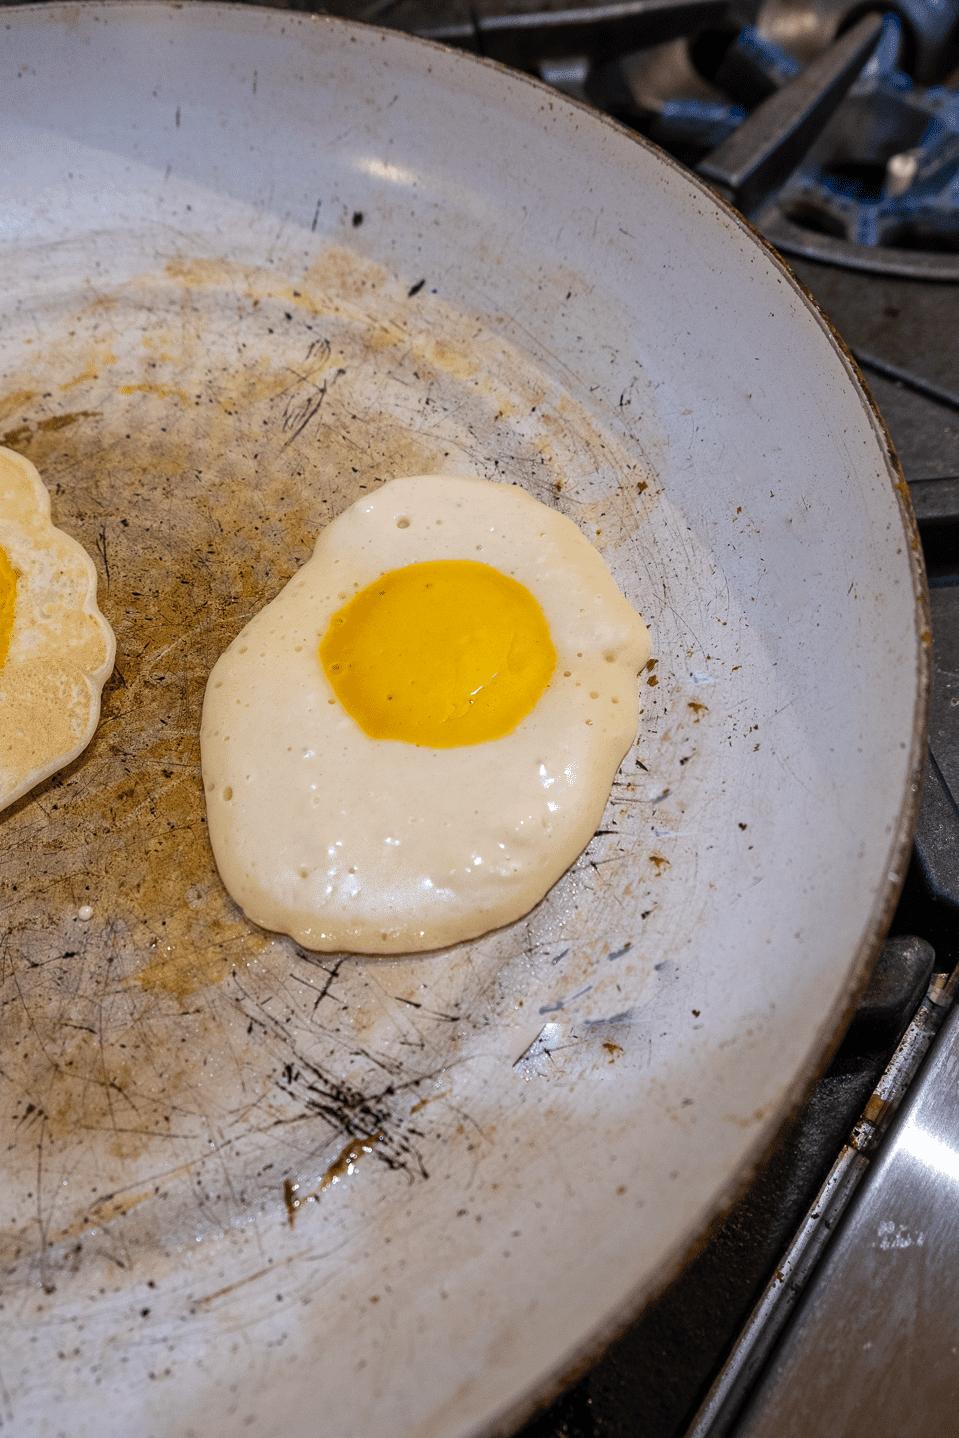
253 264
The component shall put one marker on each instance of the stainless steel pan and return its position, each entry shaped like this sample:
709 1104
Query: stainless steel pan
251 263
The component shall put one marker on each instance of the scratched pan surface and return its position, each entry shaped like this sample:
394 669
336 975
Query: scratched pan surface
254 264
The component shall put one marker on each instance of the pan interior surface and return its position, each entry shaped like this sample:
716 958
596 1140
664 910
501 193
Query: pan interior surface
256 264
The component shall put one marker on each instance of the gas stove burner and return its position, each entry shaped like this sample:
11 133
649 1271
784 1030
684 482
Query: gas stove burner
874 183
868 181
879 189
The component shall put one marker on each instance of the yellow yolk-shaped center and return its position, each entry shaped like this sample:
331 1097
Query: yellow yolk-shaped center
8 600
440 654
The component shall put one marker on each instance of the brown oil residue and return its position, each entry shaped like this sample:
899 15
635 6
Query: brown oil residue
181 972
432 1099
61 421
386 337
101 1212
102 357
612 521
339 278
40 439
346 1161
114 1205
16 438
162 391
17 400
342 1166
320 290
454 359
290 1200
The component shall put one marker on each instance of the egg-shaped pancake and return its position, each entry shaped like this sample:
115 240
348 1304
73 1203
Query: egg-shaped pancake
414 740
56 648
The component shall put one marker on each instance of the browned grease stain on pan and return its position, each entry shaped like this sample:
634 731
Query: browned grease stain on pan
101 358
433 1098
161 391
16 400
182 972
342 1166
61 421
20 437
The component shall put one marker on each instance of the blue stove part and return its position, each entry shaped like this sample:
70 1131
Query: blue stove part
751 69
886 53
763 57
885 170
702 125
